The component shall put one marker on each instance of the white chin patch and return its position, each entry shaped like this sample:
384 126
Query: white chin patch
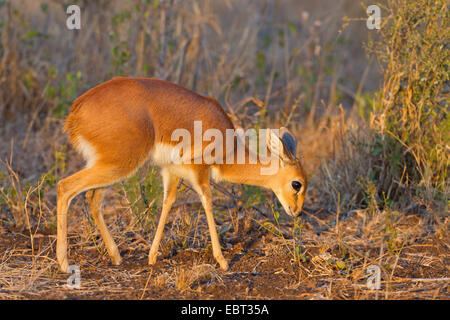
285 207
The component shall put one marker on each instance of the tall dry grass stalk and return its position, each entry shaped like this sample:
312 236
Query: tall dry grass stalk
267 66
399 154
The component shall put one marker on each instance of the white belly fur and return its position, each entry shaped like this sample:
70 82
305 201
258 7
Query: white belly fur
161 156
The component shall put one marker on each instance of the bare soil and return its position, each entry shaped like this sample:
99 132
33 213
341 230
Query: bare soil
333 263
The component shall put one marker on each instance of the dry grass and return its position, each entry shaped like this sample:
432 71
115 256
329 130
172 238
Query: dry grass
335 257
269 63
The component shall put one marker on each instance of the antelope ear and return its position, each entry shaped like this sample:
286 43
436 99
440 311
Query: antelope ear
288 141
278 147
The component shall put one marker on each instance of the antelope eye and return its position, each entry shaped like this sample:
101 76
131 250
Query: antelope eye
296 185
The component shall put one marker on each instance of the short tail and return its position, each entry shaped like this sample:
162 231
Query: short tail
70 124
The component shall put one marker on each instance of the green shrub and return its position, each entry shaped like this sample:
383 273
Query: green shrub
410 113
144 194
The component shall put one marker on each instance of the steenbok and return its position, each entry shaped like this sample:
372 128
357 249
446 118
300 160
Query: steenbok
120 124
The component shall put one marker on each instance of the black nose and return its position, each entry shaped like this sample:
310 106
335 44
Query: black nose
296 185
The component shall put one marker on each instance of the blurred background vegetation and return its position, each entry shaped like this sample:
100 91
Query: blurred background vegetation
369 107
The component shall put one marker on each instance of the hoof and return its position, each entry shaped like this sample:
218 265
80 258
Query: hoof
151 260
64 265
117 261
223 265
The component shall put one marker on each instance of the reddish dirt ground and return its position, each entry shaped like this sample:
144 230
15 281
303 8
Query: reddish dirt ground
262 264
